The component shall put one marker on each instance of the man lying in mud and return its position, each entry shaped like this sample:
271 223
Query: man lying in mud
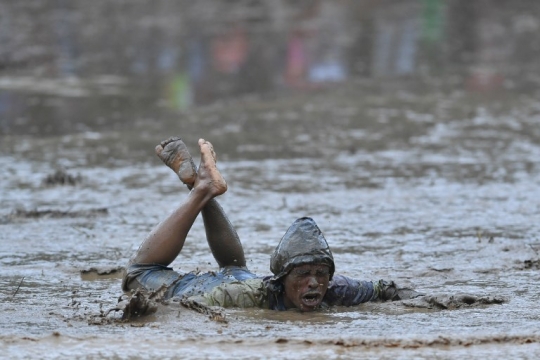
302 263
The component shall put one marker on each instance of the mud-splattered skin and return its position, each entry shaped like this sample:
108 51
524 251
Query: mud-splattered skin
305 286
304 264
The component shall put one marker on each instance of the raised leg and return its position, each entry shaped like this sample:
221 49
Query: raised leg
166 240
222 238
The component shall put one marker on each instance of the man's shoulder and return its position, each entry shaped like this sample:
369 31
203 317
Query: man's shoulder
255 283
241 293
339 279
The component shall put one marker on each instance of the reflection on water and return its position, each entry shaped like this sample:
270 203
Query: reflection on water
72 66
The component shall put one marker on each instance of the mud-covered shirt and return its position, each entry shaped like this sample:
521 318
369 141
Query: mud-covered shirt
342 290
239 287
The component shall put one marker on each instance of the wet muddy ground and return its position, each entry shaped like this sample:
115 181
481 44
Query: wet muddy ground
438 190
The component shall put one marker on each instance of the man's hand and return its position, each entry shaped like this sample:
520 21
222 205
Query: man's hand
391 292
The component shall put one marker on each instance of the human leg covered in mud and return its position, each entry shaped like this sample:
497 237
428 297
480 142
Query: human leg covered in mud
165 241
148 269
220 234
148 276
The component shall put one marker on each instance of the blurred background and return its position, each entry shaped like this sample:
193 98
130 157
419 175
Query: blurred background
141 68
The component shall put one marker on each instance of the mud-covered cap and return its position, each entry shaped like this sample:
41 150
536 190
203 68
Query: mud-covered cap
303 243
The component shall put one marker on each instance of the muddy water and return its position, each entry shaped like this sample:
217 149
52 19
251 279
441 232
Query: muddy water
449 206
430 181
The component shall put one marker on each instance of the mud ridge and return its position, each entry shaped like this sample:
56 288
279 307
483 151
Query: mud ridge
61 177
49 213
440 341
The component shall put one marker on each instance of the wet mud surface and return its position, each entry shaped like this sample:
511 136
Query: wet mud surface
446 204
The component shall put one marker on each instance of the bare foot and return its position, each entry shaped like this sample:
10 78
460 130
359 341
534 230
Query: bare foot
174 153
209 176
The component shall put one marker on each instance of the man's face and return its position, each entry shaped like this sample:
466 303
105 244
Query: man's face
305 286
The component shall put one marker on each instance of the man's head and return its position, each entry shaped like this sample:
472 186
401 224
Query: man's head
305 285
304 264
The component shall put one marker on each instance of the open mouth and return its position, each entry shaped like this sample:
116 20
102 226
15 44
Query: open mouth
311 299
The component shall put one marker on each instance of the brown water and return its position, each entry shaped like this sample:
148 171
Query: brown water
421 180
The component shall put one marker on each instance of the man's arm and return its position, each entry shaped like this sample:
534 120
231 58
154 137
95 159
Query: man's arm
346 291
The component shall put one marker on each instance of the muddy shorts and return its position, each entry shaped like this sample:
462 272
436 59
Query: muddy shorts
153 276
